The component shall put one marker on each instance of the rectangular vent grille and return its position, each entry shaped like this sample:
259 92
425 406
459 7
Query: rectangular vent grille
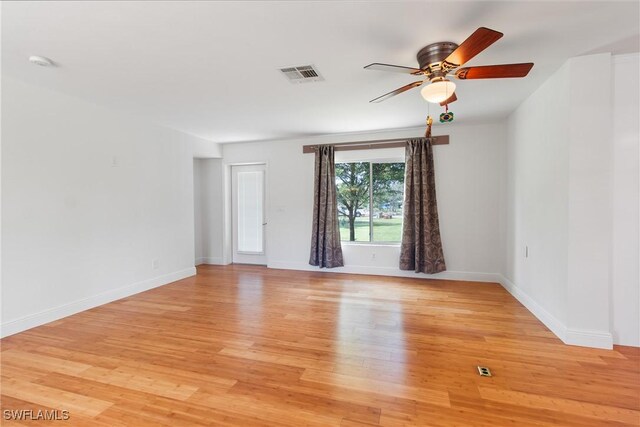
302 74
484 371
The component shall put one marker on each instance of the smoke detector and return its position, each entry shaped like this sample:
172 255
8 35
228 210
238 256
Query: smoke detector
41 61
301 74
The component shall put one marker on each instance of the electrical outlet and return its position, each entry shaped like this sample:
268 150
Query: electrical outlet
154 264
373 255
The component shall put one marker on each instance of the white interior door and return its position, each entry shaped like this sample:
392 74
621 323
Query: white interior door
248 214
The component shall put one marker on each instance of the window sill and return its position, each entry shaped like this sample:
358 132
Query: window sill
372 244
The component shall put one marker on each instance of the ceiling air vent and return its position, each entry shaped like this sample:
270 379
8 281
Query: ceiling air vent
302 74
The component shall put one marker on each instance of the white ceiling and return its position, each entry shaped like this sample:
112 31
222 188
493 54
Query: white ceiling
211 68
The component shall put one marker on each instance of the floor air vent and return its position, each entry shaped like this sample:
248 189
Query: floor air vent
302 74
484 371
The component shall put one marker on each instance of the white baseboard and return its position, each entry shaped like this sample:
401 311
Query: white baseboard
31 321
549 320
597 339
584 338
387 271
211 261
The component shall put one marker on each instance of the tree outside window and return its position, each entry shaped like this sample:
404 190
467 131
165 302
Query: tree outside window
370 198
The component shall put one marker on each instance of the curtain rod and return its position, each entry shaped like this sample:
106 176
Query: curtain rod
375 144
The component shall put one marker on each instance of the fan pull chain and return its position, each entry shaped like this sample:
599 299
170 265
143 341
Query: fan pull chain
446 106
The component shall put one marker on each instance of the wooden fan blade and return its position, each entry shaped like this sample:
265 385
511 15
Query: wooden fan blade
397 91
449 100
494 71
394 68
481 39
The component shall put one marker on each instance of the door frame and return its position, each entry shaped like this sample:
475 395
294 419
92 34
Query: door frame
228 209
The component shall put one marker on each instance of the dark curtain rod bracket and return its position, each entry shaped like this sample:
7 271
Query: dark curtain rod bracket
375 144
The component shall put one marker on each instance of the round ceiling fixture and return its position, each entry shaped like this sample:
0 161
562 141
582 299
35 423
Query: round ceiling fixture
41 61
438 90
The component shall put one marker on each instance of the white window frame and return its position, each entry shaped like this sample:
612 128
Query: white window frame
371 161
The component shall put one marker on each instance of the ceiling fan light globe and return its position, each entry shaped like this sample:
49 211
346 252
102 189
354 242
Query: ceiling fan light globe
438 91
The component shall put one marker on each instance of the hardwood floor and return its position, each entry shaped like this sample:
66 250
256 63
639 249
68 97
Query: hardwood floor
249 346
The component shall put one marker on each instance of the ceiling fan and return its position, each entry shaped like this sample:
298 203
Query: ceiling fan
440 60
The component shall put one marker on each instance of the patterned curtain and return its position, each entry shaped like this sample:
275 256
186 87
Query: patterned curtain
421 247
325 236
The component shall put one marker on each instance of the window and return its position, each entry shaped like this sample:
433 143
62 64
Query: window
370 197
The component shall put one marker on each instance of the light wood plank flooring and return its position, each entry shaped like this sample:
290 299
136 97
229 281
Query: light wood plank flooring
249 346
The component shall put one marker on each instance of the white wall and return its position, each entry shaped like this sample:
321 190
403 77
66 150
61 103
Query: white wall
469 186
197 212
537 187
209 211
204 149
560 174
89 199
625 278
590 166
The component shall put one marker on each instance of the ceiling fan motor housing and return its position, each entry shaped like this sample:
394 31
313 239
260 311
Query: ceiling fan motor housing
431 57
